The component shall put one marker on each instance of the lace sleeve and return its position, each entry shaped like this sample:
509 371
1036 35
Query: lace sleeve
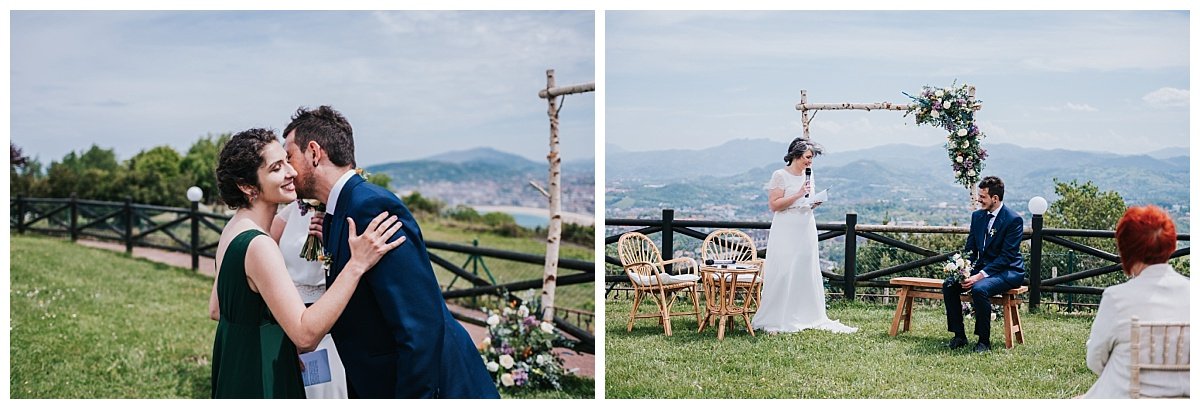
777 182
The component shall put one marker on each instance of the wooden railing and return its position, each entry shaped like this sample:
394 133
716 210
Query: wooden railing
850 279
197 233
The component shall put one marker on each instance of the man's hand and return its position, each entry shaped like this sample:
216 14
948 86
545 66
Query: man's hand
970 281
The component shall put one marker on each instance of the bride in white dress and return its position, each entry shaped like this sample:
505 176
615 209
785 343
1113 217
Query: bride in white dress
793 295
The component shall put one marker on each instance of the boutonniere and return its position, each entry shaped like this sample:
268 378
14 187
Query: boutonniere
325 260
362 172
992 232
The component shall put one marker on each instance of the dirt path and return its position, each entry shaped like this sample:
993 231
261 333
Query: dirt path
582 364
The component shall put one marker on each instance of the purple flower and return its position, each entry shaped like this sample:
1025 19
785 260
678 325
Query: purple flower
530 321
520 377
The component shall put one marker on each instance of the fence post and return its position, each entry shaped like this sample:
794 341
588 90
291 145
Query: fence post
74 217
851 267
668 237
1035 263
128 224
20 214
195 235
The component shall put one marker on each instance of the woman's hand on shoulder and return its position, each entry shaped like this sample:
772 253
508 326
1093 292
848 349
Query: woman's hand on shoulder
370 246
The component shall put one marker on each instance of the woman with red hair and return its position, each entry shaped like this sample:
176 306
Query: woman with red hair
1155 292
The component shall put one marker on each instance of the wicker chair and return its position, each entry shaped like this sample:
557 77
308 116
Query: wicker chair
1157 347
737 248
643 264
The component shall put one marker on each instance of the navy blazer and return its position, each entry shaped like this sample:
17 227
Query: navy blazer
997 251
396 337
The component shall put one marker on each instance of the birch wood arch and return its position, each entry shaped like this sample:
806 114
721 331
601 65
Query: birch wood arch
962 143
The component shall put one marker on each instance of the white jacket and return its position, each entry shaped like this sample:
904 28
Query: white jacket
1157 294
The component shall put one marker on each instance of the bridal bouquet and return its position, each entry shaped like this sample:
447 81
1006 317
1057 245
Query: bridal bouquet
957 269
518 351
312 247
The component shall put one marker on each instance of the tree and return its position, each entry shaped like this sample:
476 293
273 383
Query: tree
199 165
380 179
155 178
24 174
93 174
1083 207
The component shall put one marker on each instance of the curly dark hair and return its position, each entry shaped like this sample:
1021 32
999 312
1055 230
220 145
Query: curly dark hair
994 185
238 164
797 148
329 128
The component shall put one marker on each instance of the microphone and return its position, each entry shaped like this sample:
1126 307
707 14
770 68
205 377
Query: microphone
807 177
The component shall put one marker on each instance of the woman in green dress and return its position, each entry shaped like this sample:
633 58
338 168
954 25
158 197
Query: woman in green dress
263 324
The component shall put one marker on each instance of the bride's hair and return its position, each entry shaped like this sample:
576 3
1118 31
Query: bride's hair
798 147
238 164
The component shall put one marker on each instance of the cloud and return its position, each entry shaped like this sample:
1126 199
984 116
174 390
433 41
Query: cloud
1071 106
1167 97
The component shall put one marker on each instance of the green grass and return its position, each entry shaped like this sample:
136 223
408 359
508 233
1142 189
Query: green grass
868 364
90 323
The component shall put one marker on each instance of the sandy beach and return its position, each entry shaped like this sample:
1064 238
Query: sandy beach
568 217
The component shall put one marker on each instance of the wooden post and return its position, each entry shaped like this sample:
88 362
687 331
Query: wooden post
1035 263
554 233
74 205
20 214
668 237
851 266
129 224
195 236
804 111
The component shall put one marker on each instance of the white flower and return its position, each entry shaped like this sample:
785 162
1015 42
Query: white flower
958 159
506 380
487 341
935 114
506 361
524 311
939 93
957 173
970 173
547 327
493 366
493 320
946 105
966 144
508 311
962 132
541 359
948 267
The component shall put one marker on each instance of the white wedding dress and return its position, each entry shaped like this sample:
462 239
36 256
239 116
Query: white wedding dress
793 295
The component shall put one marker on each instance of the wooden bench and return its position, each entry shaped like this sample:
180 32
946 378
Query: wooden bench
912 288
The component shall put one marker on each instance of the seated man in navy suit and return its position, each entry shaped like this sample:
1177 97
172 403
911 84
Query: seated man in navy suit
993 246
396 337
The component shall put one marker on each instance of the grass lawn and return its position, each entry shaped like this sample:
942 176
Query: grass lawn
868 364
90 323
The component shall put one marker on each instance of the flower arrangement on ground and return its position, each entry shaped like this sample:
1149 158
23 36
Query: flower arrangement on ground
518 351
953 109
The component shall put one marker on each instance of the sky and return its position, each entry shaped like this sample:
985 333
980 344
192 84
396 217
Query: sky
1110 81
412 83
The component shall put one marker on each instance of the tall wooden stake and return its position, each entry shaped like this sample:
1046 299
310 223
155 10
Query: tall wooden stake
554 235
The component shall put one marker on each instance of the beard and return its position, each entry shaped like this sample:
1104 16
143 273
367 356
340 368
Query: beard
306 186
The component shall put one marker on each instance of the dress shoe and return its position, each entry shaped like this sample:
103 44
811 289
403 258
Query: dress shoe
956 343
982 347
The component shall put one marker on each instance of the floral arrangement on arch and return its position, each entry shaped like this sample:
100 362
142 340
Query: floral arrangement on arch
518 351
953 109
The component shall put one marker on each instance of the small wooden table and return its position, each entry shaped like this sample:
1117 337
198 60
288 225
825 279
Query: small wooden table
721 283
930 288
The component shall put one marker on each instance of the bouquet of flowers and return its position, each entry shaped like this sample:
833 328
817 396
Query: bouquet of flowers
312 247
957 269
518 350
953 109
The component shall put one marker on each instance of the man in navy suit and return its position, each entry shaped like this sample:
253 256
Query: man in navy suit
993 246
396 337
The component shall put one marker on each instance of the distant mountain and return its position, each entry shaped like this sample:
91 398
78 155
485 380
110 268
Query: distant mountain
486 176
895 172
1167 153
